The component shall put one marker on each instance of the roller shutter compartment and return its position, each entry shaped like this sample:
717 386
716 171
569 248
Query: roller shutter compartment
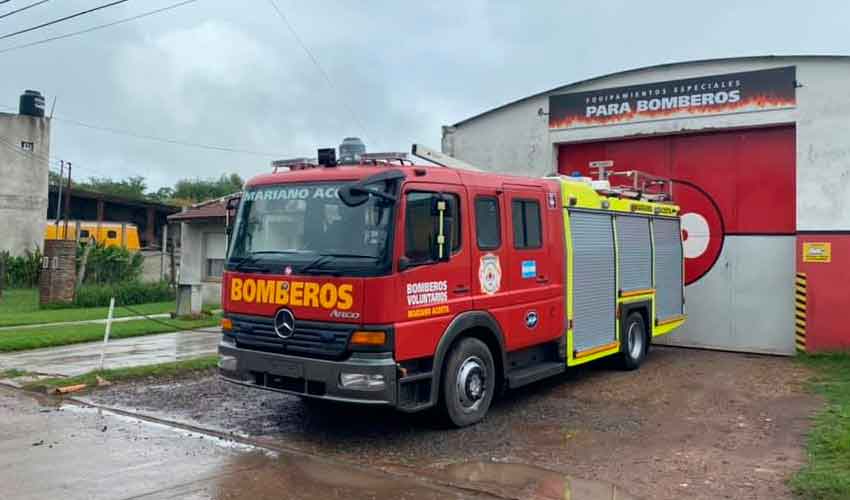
634 249
668 268
594 286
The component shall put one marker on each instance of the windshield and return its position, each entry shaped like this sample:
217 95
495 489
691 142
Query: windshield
307 226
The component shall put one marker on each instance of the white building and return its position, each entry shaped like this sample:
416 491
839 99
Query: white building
203 249
760 150
24 154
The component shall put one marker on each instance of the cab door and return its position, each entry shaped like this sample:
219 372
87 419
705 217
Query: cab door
434 288
489 243
531 275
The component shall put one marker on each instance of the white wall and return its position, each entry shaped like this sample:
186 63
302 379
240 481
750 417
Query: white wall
516 138
23 182
203 292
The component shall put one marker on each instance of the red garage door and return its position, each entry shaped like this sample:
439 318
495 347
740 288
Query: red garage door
728 183
737 193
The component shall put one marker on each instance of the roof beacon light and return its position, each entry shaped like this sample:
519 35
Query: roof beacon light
391 156
294 164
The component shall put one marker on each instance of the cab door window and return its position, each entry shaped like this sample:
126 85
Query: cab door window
422 225
488 227
526 222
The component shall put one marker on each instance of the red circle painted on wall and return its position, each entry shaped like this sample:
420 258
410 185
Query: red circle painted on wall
703 229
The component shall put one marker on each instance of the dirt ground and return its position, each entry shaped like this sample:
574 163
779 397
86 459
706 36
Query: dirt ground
689 424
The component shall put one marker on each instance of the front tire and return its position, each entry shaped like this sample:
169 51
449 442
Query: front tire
468 382
635 342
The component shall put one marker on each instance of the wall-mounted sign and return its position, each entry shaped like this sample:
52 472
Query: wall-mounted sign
817 251
708 95
27 146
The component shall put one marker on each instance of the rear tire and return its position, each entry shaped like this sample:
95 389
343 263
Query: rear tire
635 342
468 383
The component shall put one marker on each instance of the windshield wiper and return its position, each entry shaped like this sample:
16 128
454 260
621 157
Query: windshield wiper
324 258
316 264
251 258
245 264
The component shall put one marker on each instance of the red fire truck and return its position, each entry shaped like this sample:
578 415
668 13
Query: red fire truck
420 285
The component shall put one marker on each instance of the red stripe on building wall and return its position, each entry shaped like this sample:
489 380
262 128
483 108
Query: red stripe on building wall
739 182
827 297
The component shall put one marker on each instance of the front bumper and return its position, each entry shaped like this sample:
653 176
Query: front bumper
315 378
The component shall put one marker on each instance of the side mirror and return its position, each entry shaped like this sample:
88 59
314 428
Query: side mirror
358 193
232 203
353 196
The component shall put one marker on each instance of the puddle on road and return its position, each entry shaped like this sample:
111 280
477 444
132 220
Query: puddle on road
529 482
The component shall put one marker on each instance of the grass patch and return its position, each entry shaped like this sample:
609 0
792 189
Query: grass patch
34 338
827 474
124 374
12 373
20 307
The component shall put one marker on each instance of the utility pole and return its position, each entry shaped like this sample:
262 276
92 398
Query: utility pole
67 201
59 198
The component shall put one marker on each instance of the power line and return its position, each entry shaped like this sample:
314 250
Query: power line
55 21
6 142
166 140
316 63
21 9
98 27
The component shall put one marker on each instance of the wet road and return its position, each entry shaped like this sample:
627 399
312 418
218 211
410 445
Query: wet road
54 450
68 452
689 424
81 358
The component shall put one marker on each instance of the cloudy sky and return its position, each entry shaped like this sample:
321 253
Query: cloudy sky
230 73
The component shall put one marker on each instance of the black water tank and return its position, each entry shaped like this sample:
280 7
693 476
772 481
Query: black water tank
32 103
350 150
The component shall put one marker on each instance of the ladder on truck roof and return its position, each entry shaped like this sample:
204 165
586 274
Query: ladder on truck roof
441 159
640 185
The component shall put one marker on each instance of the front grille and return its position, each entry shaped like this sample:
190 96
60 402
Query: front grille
311 338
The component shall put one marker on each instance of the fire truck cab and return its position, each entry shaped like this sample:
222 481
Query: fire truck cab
414 286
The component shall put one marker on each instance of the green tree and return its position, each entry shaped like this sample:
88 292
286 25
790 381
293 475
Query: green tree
131 187
205 189
53 178
162 194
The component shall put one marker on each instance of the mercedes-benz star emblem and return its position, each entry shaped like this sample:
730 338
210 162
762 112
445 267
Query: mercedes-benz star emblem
284 323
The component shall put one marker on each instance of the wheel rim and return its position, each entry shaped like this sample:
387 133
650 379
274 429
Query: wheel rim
635 340
471 383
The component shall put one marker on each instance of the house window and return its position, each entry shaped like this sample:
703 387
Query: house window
214 255
215 268
111 234
488 227
526 222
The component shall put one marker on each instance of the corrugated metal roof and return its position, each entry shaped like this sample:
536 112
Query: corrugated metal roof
651 67
210 209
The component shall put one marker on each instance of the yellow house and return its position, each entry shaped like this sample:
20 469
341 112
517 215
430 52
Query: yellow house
106 233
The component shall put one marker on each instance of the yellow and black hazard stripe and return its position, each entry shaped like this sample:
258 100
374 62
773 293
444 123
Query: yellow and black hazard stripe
800 299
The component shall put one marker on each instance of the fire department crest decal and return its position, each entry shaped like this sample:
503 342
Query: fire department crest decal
490 274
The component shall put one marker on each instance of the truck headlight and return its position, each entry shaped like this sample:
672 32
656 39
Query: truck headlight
227 363
362 381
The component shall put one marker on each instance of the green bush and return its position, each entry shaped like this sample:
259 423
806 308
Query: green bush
22 271
126 294
110 264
